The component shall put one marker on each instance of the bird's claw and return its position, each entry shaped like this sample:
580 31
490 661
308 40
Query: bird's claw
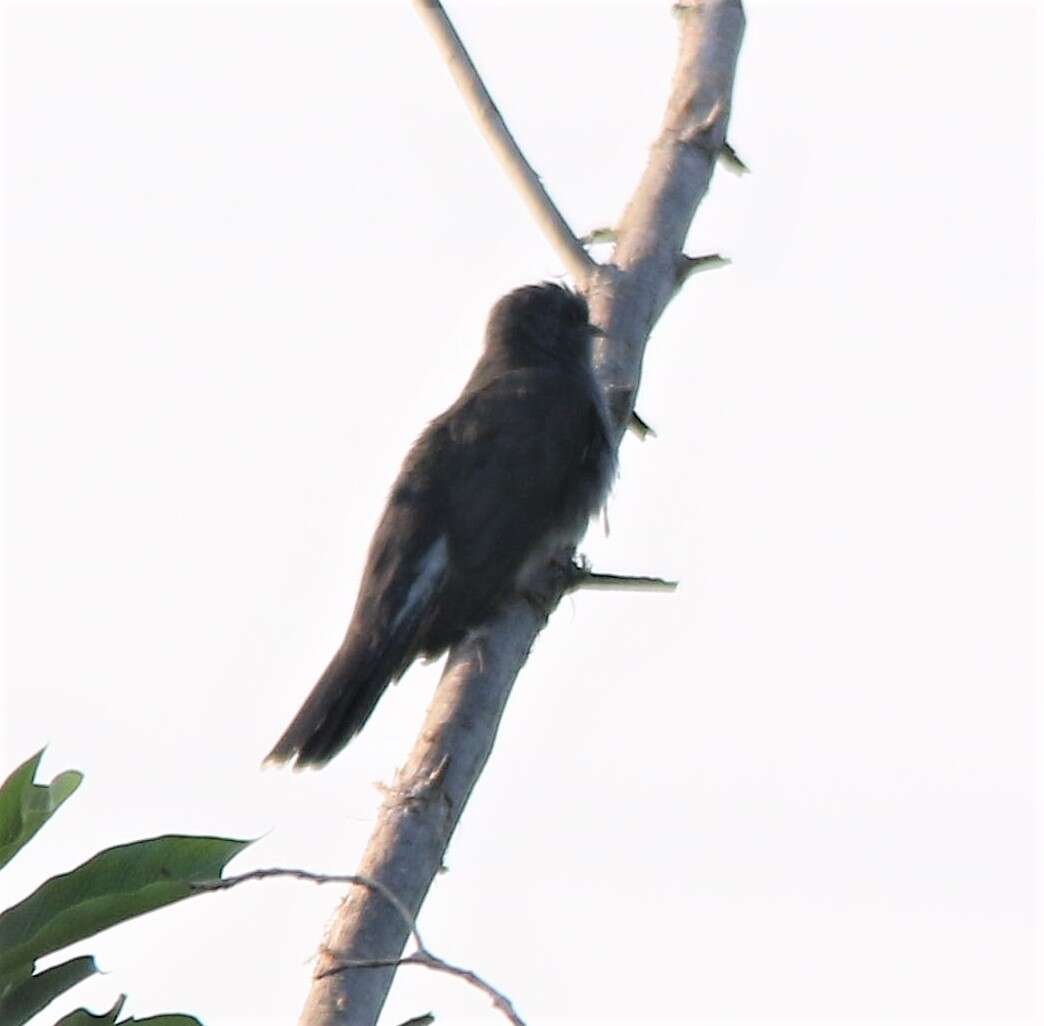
562 575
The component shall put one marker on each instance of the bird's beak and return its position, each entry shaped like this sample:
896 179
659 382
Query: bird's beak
595 331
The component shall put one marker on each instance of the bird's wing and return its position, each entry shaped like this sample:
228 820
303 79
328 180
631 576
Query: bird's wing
524 457
507 464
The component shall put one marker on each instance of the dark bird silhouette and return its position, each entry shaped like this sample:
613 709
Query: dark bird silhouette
492 490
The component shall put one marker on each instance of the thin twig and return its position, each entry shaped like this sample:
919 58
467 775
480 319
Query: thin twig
422 956
577 262
425 958
225 883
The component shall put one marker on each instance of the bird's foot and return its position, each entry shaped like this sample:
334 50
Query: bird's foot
559 577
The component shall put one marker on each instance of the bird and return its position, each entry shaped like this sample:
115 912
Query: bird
493 490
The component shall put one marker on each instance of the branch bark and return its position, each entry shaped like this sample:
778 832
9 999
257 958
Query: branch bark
627 296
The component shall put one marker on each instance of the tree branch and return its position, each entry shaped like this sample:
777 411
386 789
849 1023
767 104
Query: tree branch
418 815
503 144
626 296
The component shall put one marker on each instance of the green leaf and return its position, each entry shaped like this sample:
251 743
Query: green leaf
116 884
14 977
25 806
81 1017
20 1002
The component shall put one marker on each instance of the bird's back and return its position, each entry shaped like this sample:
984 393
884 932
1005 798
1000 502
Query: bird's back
493 488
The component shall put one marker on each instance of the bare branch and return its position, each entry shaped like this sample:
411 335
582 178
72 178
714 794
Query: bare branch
484 110
626 297
419 814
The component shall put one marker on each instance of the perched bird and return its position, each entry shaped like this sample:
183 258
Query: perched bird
492 490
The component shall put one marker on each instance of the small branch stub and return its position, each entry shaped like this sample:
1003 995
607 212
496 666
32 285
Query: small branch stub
597 236
689 266
730 160
641 427
622 582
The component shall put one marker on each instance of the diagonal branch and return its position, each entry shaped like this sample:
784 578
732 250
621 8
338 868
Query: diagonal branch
417 818
503 144
627 296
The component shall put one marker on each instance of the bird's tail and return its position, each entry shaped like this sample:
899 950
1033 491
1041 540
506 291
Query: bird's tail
386 631
336 710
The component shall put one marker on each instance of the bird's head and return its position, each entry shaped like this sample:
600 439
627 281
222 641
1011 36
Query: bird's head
542 320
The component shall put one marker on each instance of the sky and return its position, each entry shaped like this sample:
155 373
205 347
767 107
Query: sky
248 254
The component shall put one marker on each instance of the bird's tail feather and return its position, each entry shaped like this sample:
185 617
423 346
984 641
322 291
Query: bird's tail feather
337 708
368 659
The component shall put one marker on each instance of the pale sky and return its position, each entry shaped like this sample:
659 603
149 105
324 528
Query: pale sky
249 254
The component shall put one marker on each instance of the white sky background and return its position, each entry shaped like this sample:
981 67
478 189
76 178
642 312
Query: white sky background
249 253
